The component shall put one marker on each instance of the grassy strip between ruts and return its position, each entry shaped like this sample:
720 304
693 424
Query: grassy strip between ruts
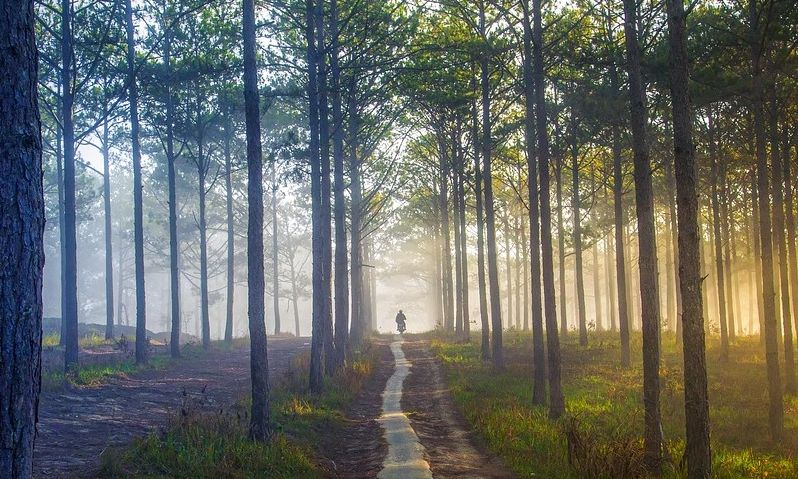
198 445
601 435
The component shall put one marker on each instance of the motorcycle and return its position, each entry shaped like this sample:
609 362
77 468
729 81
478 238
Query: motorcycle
401 326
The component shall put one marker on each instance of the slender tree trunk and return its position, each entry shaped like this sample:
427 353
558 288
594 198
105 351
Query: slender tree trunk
446 247
325 195
517 265
483 294
647 245
70 313
508 268
561 250
577 235
59 162
490 214
790 224
612 309
464 248
620 221
697 450
316 374
726 239
138 202
174 240
109 252
673 230
355 217
22 242
716 235
556 398
755 224
341 272
780 239
260 426
525 265
294 296
458 258
776 407
532 155
597 288
202 169
275 252
231 254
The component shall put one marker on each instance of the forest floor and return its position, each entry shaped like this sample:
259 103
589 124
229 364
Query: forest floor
77 424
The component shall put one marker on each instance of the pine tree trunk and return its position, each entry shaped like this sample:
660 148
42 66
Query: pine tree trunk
577 235
790 224
202 169
620 221
231 255
109 252
490 213
508 270
647 245
316 374
558 167
556 398
341 272
517 267
260 426
70 302
780 239
716 235
275 252
776 406
538 349
726 236
483 294
464 247
174 240
22 242
446 245
356 331
697 450
325 196
138 201
458 259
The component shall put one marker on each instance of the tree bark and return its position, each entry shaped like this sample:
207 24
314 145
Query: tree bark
70 302
483 294
142 344
717 240
341 269
577 235
202 170
260 427
325 195
275 252
22 241
355 218
174 239
781 245
490 213
558 167
464 246
316 374
776 406
109 252
556 398
231 255
620 220
647 245
697 450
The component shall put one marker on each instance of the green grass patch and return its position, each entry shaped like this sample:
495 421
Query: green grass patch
96 375
202 445
604 406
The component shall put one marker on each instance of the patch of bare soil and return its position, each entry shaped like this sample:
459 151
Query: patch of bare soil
356 450
77 425
452 449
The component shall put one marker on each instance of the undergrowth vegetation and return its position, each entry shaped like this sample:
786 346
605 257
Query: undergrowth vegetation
601 435
216 445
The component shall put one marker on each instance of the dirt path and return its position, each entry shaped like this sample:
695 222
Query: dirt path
76 425
451 448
